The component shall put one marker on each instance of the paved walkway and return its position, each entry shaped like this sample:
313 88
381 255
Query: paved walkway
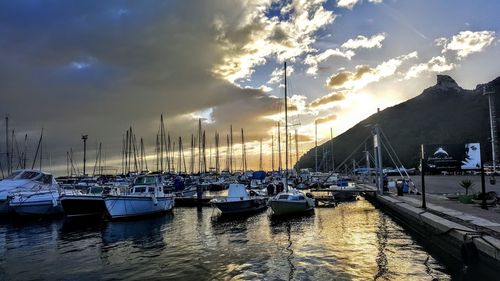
470 215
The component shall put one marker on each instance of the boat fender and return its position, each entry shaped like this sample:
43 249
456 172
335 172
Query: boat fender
155 200
54 202
469 252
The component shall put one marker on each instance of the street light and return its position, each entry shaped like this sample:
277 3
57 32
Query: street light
492 129
84 138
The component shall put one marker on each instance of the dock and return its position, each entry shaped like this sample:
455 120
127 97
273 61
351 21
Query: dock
465 232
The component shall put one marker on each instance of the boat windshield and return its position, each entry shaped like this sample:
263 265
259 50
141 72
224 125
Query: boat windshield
145 180
13 175
28 175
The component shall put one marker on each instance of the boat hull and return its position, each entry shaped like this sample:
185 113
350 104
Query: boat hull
5 208
83 205
134 206
243 206
37 208
285 207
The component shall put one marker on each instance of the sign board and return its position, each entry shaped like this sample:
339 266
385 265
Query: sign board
453 157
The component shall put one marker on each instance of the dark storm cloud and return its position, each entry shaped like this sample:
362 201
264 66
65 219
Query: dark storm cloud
97 67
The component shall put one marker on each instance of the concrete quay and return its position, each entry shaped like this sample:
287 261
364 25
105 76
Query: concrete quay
464 234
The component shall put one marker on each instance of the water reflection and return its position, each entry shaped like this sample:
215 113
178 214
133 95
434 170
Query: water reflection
353 241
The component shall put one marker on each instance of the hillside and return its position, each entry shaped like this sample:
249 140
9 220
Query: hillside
443 113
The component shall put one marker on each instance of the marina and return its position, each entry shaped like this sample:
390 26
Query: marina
249 140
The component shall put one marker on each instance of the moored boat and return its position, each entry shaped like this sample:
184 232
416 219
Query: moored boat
239 200
290 203
79 204
146 197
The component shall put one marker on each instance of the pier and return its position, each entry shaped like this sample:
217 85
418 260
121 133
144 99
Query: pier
465 232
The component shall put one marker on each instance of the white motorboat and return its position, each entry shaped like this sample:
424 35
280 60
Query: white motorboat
25 181
291 202
146 197
44 201
239 200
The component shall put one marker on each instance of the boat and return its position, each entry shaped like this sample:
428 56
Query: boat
84 204
146 197
36 202
239 200
291 201
23 180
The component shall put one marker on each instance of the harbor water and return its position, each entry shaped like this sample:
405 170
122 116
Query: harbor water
353 241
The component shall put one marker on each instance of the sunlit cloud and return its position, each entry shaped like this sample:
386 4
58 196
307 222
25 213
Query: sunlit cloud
314 60
325 119
278 74
327 100
349 4
256 37
466 42
364 42
436 64
364 74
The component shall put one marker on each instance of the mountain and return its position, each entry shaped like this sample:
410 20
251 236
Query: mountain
444 113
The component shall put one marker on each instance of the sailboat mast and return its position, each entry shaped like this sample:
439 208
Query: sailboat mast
260 158
316 146
286 135
279 148
272 152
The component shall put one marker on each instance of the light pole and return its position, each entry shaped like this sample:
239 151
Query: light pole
84 138
492 129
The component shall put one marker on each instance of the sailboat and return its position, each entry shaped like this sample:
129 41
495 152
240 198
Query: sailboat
291 201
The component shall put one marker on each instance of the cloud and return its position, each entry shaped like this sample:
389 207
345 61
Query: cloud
278 73
466 42
364 74
328 99
325 119
251 39
436 64
95 69
349 4
314 60
364 42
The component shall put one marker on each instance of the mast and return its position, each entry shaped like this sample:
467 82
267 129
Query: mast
296 147
231 149
272 152
84 138
242 151
316 146
7 143
331 149
279 149
199 145
286 136
162 135
191 166
260 158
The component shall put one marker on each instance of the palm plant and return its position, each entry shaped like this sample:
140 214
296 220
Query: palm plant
466 184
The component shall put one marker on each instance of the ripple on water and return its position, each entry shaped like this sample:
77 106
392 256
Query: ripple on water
353 241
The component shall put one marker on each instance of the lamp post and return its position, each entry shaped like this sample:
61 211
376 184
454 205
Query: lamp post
492 129
84 138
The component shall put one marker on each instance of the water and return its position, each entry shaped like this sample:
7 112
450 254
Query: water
353 241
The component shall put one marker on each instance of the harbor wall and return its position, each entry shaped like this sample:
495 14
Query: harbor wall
461 246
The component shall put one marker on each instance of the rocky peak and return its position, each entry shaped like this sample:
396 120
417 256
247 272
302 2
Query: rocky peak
445 82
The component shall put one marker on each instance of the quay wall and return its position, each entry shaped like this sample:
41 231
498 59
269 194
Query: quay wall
461 246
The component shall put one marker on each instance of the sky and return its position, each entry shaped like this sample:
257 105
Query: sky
100 67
